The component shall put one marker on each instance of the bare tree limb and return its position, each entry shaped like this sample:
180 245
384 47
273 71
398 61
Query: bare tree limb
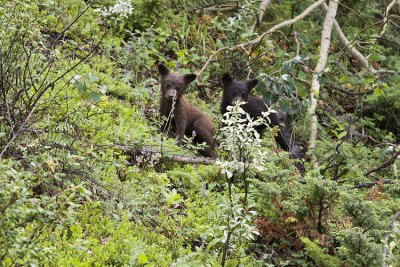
348 47
224 6
261 37
386 237
385 164
260 14
315 86
386 18
371 184
133 150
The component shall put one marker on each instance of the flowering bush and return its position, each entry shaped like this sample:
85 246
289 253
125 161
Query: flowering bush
242 141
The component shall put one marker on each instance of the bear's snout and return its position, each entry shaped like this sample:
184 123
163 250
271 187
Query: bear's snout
171 93
237 99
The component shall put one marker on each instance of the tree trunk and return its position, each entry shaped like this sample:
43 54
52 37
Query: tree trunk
315 86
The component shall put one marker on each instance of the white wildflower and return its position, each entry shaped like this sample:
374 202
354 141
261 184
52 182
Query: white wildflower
122 8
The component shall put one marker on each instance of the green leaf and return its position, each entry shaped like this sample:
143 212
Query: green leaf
95 96
93 78
142 259
288 107
342 134
81 87
301 91
184 71
180 53
378 92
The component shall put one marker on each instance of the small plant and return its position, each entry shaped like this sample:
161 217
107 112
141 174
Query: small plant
244 156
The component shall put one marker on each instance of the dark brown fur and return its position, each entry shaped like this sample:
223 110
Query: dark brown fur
237 90
187 119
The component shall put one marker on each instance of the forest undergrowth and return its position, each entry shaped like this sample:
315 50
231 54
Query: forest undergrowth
87 178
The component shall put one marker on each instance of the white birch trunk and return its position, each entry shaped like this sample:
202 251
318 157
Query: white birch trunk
315 86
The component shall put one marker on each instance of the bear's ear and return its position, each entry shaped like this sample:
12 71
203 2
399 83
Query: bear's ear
188 78
162 70
226 79
250 84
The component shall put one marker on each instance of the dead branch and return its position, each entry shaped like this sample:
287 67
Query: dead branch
337 88
315 85
260 14
385 164
386 17
386 238
371 184
133 150
348 47
224 6
261 37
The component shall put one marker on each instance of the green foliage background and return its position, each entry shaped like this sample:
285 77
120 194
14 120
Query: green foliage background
75 85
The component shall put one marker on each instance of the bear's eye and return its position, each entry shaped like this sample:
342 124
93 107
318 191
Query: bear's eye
177 88
168 86
243 96
234 94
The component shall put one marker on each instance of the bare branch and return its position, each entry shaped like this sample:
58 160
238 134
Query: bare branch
260 14
261 37
385 164
371 184
348 47
224 6
41 93
386 237
386 18
133 150
315 86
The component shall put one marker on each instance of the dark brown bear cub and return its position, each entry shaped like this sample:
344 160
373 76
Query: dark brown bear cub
187 119
239 91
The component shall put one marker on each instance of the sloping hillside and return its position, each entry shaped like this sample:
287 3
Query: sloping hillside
91 176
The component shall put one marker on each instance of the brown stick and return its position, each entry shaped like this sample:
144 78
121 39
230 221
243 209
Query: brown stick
371 184
133 150
224 6
385 164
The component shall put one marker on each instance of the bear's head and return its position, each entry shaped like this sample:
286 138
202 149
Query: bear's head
173 84
236 90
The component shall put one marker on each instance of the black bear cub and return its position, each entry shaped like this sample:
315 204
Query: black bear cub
239 91
187 119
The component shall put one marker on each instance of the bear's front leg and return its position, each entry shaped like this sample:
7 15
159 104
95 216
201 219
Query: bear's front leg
180 127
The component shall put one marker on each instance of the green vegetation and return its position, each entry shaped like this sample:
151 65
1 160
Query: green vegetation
87 179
